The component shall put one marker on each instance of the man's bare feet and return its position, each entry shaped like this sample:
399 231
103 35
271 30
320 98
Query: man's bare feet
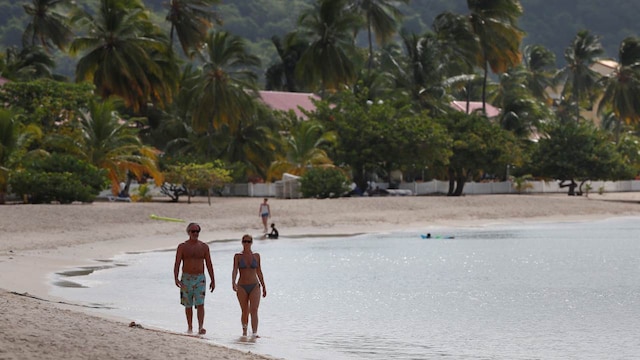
202 331
189 330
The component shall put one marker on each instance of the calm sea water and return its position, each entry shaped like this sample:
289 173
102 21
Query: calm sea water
545 291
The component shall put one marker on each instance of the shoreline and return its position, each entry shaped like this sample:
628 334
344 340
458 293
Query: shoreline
38 240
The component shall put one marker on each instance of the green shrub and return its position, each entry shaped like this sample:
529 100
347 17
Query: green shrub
61 178
324 183
143 195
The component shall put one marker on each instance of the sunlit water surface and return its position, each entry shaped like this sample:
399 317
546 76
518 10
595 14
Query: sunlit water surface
546 291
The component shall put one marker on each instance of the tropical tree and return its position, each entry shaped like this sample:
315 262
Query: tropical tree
194 177
575 151
421 73
16 145
381 18
580 81
28 63
540 65
57 177
282 75
125 54
109 142
224 88
8 144
324 182
46 25
479 147
45 102
329 59
521 112
458 47
190 21
622 87
376 136
305 149
250 142
495 24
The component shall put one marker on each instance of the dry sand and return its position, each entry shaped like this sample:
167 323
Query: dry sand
37 240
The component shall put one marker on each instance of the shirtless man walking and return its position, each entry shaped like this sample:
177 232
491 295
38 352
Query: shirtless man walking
193 254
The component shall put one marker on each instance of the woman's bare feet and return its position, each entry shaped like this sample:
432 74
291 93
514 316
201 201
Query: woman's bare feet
202 331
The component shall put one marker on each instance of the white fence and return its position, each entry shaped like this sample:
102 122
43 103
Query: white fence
290 189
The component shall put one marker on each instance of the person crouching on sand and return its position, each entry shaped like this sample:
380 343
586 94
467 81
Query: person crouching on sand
194 255
248 266
274 232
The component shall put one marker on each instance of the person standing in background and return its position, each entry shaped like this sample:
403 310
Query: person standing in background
264 213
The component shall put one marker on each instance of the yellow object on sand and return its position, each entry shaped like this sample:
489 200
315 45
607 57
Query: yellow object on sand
156 217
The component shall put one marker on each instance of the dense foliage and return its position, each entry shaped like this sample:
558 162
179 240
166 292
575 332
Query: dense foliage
176 84
324 183
58 177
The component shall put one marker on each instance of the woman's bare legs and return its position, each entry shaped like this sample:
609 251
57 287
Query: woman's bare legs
254 302
243 299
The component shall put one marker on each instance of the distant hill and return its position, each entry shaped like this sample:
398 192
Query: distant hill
552 23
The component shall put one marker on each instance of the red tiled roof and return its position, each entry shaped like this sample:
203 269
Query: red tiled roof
492 111
281 100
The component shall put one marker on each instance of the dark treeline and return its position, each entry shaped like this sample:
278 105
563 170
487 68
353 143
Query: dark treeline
172 93
549 23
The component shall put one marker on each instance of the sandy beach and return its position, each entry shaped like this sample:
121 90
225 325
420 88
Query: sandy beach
38 240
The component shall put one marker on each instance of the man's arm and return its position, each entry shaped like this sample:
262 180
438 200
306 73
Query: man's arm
176 266
207 261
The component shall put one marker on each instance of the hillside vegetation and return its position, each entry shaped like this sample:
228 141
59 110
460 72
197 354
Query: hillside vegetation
549 23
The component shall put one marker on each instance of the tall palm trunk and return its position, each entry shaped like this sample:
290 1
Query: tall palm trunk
370 62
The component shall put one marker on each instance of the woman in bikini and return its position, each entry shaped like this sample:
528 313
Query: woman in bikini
247 265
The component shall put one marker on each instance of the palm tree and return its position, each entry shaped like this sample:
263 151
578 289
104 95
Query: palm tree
457 47
382 18
48 27
329 60
110 143
494 22
622 91
191 20
224 88
580 81
252 142
125 55
304 149
521 112
457 41
282 75
540 64
29 63
423 74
